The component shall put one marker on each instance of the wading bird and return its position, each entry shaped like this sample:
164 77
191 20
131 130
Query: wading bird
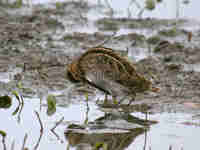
109 72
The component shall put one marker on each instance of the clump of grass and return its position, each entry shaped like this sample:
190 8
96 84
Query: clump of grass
51 103
150 4
169 32
161 46
101 145
2 133
5 101
178 45
53 23
59 5
154 40
107 24
167 58
68 37
19 3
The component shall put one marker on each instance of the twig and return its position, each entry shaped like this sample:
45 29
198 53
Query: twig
109 7
41 125
170 147
149 147
141 13
22 99
146 115
4 142
177 9
57 136
13 145
136 4
24 142
145 140
40 94
41 131
20 109
130 3
56 125
40 104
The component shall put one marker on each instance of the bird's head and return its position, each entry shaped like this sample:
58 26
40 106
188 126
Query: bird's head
73 73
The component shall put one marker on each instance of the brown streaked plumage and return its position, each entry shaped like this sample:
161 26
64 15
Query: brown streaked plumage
106 70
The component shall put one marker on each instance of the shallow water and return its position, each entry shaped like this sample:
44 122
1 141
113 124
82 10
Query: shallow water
169 130
29 124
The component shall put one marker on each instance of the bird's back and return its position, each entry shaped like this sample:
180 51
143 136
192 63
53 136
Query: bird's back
100 64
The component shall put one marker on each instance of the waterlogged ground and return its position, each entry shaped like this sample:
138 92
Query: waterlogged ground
37 43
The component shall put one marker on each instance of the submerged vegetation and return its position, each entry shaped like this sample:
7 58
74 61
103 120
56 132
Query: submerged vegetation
5 101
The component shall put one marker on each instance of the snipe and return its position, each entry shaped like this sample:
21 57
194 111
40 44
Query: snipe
106 70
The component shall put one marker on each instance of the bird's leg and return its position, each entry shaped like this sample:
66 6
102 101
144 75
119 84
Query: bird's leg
133 99
106 99
130 102
114 98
